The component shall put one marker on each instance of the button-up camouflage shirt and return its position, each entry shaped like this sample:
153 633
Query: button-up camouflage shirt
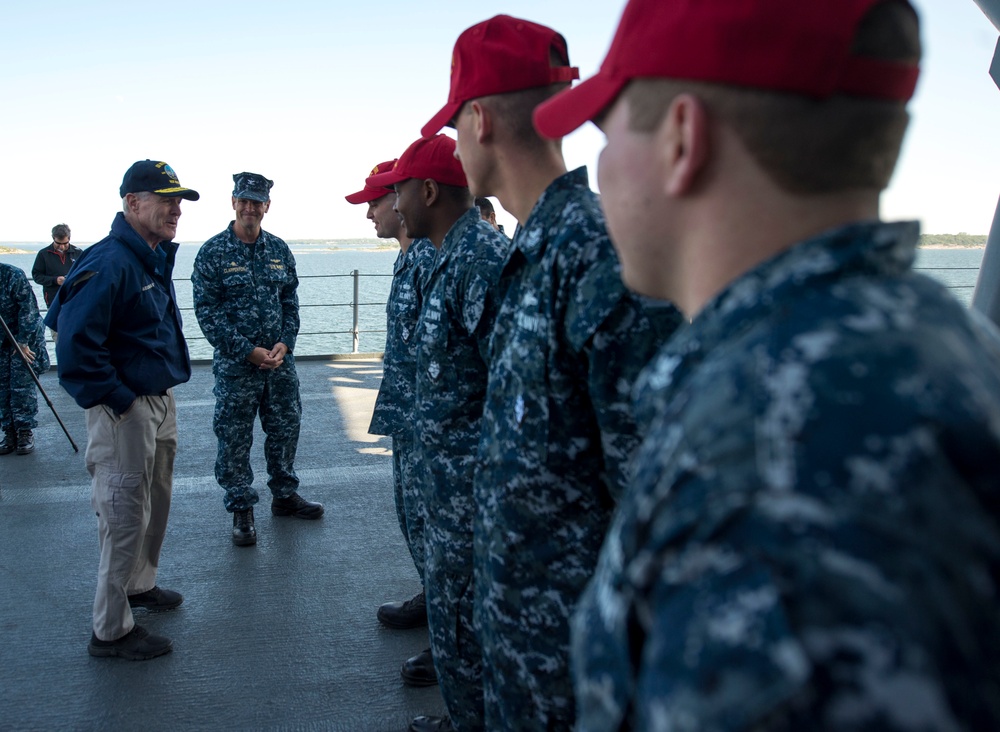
393 413
558 435
811 540
245 295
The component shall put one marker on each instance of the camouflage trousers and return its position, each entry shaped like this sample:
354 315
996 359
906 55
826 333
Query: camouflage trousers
18 397
523 625
241 393
454 644
409 508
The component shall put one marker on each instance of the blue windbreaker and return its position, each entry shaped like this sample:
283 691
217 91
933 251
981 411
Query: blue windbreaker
119 325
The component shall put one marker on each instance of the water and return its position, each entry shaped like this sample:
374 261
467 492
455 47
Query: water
326 290
956 268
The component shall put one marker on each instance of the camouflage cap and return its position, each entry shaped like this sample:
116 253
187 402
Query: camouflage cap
252 186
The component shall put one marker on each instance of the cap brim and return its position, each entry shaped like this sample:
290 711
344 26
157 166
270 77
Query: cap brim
441 119
570 109
385 180
368 195
186 193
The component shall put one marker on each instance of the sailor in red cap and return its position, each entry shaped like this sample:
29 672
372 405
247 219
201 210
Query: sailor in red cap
452 343
811 540
393 414
570 340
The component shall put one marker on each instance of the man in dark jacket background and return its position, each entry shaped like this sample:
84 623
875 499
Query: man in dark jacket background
121 353
53 262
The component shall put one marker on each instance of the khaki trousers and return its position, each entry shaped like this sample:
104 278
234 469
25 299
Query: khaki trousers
131 461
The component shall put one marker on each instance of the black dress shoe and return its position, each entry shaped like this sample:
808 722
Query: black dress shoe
297 506
156 599
404 615
9 443
25 442
244 531
136 645
419 670
431 724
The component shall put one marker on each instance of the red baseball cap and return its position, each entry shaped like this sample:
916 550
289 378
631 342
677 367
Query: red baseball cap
428 157
501 55
369 192
796 46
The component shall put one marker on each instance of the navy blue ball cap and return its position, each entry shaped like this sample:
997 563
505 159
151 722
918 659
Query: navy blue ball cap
154 177
252 186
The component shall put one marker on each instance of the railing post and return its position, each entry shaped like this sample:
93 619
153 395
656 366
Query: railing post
357 300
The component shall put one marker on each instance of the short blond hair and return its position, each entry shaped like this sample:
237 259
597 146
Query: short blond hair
513 112
807 146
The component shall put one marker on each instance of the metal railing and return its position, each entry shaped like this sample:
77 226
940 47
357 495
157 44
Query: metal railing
313 327
306 303
357 323
963 292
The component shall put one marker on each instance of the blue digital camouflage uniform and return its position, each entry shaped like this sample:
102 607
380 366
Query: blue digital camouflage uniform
452 350
393 413
811 540
558 434
19 308
244 297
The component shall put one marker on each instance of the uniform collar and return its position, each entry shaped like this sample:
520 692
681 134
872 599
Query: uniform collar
873 247
531 238
458 231
158 262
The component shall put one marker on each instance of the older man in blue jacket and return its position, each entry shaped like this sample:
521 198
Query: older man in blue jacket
121 351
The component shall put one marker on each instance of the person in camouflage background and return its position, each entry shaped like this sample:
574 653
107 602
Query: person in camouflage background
568 344
18 398
453 336
245 299
811 539
393 413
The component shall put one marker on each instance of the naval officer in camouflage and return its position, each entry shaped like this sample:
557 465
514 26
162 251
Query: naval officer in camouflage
811 540
18 397
568 344
453 336
246 303
393 413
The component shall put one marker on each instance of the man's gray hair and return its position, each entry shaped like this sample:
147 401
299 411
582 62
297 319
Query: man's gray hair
139 194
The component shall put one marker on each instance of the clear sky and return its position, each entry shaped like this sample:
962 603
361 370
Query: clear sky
312 93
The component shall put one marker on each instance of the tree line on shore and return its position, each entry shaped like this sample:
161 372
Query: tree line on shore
953 240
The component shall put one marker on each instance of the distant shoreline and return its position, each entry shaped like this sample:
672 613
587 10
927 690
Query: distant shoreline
949 246
296 248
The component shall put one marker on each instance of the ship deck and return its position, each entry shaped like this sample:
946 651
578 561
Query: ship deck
281 636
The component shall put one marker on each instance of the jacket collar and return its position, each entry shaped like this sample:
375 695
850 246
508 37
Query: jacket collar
157 262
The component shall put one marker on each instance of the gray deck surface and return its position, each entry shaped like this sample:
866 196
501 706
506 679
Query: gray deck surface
281 636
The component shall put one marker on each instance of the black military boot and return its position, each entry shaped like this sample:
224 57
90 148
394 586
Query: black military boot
419 670
25 442
244 532
9 443
404 615
297 506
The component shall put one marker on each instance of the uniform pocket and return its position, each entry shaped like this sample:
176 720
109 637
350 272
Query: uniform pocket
119 497
520 392
237 283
